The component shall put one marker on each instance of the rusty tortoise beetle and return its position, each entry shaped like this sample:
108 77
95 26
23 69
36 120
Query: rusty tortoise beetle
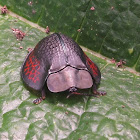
60 64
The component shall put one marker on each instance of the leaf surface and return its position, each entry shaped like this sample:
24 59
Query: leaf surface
114 116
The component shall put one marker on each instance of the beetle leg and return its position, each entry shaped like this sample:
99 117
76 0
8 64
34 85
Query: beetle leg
40 99
97 93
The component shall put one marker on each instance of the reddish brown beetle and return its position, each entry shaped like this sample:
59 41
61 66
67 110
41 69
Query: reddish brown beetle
60 64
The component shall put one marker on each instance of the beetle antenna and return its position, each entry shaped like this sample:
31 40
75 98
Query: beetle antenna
73 90
83 94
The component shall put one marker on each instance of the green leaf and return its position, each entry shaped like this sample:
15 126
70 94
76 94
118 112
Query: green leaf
112 29
114 116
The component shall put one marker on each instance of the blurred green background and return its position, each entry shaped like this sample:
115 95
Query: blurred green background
112 29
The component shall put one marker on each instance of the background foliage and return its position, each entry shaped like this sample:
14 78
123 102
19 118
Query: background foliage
112 29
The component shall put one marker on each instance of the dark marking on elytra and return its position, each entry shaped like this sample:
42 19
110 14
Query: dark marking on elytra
31 69
92 65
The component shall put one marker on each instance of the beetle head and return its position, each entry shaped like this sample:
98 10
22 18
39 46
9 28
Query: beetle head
72 90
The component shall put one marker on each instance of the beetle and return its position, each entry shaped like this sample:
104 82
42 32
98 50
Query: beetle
59 63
